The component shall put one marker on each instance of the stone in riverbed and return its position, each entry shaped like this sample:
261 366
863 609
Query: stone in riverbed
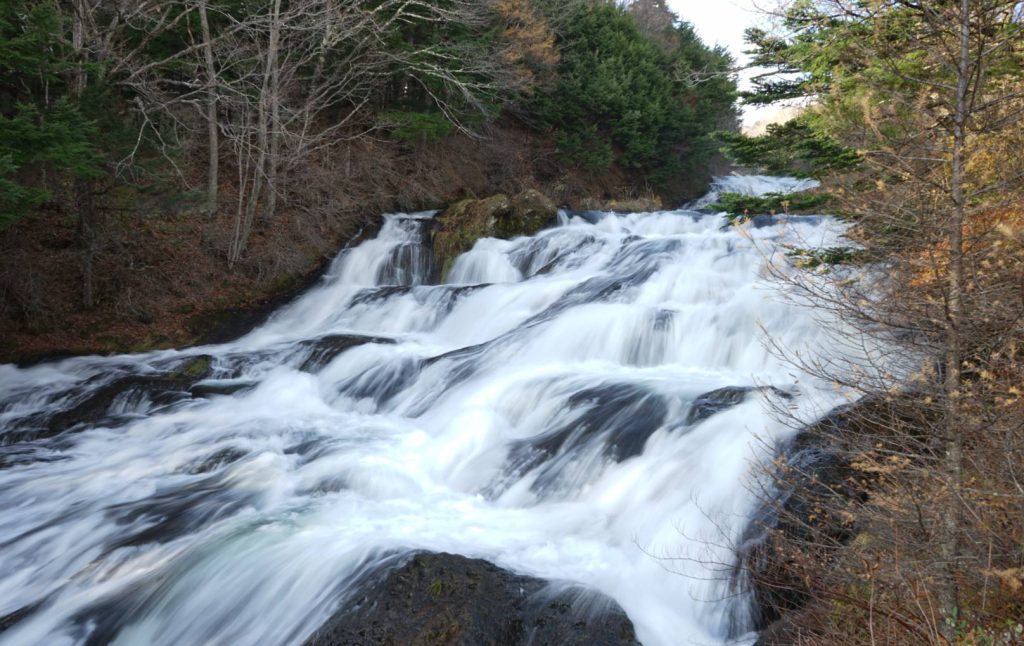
325 349
459 226
449 599
155 389
716 401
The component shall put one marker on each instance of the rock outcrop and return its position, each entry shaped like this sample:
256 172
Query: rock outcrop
803 521
644 204
460 225
447 599
126 390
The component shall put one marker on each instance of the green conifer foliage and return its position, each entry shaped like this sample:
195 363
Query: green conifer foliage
41 130
645 104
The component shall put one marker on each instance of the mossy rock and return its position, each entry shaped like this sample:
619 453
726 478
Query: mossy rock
531 211
623 205
194 368
463 223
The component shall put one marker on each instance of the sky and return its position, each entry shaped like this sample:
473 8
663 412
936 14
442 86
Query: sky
722 22
719 22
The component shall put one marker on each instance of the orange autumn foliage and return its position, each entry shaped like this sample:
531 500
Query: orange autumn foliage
994 237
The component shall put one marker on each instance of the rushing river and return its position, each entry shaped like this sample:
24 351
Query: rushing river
546 409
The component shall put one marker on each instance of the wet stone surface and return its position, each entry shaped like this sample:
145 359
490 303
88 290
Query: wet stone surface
449 599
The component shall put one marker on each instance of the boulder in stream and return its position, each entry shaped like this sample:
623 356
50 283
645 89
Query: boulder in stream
459 226
448 599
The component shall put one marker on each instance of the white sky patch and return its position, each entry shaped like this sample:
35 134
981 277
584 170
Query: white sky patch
722 22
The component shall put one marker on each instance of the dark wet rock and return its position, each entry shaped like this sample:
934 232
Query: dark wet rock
527 253
613 421
546 269
448 599
124 393
216 460
622 416
767 220
602 288
813 481
325 349
214 388
325 486
716 401
444 297
637 250
194 368
373 295
454 293
22 454
633 265
9 620
460 354
176 511
382 382
237 365
312 448
101 622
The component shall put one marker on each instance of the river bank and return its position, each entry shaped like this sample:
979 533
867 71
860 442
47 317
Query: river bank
161 276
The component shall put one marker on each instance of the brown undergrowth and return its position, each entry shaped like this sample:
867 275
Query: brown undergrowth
852 551
162 276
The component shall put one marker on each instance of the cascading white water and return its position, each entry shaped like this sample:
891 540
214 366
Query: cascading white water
546 410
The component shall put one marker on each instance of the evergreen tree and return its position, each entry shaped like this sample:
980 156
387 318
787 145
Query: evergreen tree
623 98
43 132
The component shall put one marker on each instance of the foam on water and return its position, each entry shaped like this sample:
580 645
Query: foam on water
536 410
753 185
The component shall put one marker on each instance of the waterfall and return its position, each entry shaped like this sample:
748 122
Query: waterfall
584 405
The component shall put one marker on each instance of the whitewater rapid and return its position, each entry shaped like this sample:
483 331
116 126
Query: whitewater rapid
545 409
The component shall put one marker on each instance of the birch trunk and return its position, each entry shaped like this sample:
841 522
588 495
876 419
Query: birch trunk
213 139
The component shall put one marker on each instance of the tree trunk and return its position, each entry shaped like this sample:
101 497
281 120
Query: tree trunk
213 143
259 169
78 45
89 233
948 593
273 161
88 226
244 155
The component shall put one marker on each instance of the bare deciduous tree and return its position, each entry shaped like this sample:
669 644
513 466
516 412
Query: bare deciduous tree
926 482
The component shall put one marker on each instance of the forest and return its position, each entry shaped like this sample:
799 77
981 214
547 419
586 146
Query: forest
163 159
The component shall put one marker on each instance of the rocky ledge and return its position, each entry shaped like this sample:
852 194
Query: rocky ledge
460 225
433 599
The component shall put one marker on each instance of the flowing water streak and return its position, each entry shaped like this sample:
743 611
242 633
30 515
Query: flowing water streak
557 408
